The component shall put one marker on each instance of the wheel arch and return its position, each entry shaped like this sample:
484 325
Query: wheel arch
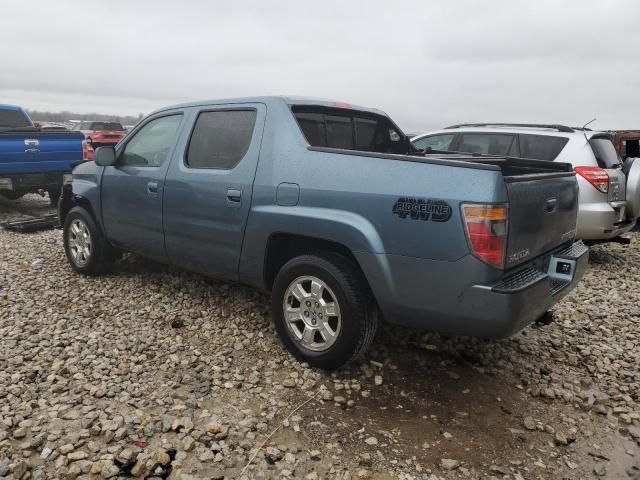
283 246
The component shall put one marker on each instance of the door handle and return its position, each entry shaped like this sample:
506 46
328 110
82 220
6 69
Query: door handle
234 197
152 188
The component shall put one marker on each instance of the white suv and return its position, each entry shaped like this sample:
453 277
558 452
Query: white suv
603 212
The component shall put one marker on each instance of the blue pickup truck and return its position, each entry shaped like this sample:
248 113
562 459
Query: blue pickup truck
328 207
32 160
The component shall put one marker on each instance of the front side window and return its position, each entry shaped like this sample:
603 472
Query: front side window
150 146
220 139
434 142
486 143
541 147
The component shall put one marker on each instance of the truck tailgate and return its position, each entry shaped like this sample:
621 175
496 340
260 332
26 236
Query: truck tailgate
542 214
31 152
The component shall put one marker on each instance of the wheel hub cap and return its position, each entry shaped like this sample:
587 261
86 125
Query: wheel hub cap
312 313
79 240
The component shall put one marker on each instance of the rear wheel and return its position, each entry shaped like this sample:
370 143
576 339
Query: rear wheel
86 247
322 310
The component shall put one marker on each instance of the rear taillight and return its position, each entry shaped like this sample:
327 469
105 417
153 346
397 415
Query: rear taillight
87 151
596 176
486 229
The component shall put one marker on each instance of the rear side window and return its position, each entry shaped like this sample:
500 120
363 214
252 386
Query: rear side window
13 119
349 130
541 147
221 138
605 152
486 143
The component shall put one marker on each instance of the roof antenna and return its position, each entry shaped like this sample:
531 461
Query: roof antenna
584 128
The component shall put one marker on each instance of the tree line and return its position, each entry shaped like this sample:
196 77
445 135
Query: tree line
65 116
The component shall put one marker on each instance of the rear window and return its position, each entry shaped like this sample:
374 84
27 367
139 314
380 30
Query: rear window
349 130
605 152
13 119
541 147
106 126
220 139
486 143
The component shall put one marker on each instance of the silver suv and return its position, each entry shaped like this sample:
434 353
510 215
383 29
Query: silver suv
605 207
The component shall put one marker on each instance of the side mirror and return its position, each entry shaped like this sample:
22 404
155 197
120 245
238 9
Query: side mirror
105 156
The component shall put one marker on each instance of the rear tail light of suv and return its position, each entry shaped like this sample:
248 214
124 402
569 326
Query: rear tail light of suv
486 229
596 176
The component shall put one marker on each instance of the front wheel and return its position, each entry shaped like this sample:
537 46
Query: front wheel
322 310
86 247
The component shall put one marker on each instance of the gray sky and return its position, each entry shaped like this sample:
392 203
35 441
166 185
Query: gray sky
426 63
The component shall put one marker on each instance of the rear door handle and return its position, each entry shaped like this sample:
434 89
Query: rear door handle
152 189
234 197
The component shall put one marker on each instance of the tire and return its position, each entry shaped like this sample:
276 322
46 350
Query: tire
54 196
354 326
100 256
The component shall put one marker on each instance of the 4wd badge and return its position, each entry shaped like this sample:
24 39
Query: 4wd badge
421 209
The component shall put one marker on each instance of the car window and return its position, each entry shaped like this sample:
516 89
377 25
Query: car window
434 142
150 145
350 130
220 139
541 147
605 152
485 143
13 119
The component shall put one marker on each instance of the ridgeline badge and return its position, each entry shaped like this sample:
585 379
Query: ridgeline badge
421 209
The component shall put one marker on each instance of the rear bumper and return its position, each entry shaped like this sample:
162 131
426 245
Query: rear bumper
601 221
442 296
30 182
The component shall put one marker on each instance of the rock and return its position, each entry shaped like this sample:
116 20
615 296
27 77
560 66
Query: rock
371 441
498 469
110 470
600 470
449 464
162 457
272 454
377 380
78 455
315 455
560 439
529 423
188 443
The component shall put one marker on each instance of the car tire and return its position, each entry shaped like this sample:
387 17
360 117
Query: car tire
86 248
343 292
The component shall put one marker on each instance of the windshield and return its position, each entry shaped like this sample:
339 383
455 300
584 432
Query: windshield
13 119
106 126
605 152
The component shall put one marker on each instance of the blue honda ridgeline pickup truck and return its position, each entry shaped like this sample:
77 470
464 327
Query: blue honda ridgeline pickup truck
326 206
32 160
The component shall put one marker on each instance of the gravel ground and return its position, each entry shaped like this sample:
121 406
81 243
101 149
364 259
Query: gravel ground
151 372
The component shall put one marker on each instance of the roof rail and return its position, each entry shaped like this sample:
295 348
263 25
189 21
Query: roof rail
560 128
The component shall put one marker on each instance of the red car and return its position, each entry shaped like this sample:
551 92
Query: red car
102 133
